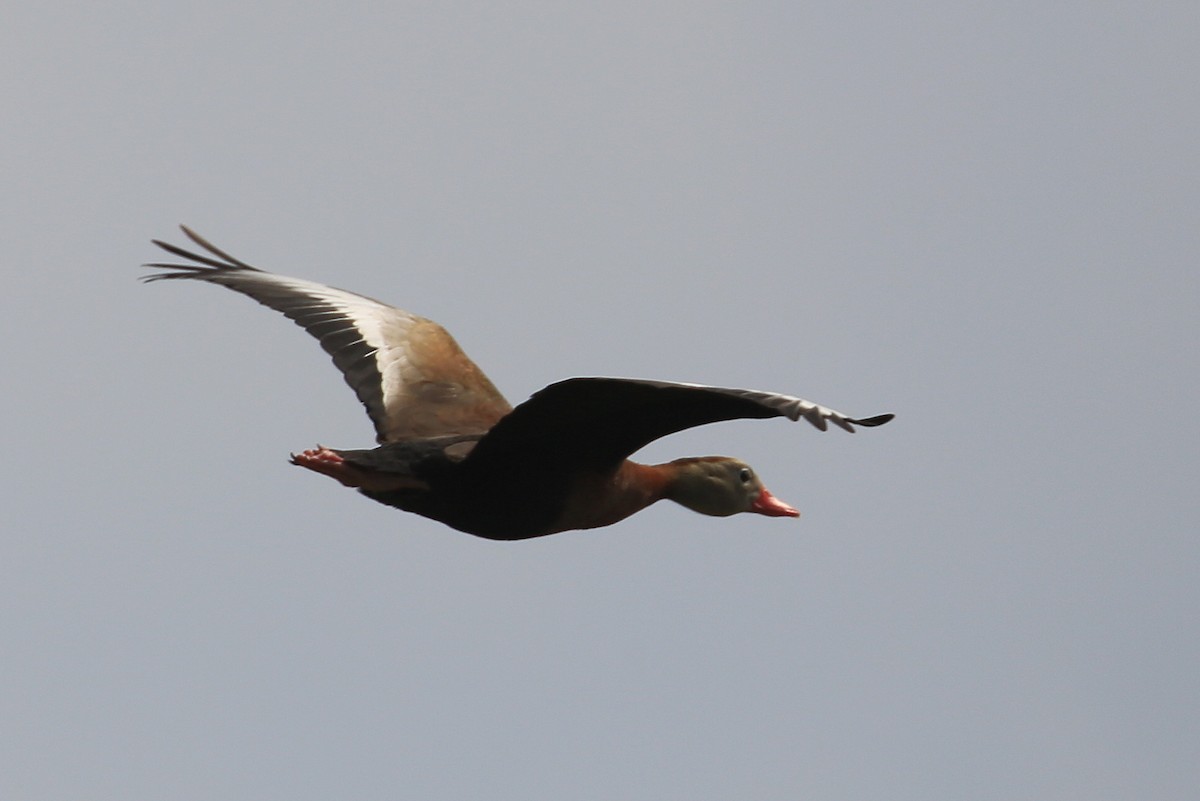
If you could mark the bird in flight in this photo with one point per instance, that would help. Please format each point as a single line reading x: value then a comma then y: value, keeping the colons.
x: 452, y: 449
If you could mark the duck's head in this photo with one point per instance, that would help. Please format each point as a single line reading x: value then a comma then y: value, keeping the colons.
x: 721, y: 486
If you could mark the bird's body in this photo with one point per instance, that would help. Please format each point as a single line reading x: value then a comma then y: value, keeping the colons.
x: 426, y: 477
x: 452, y: 449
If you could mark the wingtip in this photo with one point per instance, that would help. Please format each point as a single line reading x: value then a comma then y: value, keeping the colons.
x: 164, y: 245
x: 877, y: 420
x: 223, y: 262
x: 192, y: 235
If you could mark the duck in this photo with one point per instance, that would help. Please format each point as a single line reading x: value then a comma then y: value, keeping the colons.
x: 450, y: 448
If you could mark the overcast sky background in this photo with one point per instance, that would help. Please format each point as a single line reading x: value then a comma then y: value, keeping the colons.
x: 982, y: 217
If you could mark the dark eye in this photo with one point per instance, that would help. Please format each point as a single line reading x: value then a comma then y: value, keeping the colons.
x: 745, y: 475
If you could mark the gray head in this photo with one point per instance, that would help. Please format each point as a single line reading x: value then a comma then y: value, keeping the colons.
x: 721, y: 486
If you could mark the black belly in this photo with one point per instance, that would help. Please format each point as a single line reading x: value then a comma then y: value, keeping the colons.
x: 502, y: 502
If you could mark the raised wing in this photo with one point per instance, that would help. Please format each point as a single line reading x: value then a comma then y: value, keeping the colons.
x: 600, y: 421
x: 410, y: 374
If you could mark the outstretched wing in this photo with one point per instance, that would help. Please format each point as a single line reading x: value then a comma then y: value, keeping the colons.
x: 410, y: 374
x: 600, y: 421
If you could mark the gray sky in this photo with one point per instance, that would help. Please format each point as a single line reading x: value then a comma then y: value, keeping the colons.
x: 981, y: 217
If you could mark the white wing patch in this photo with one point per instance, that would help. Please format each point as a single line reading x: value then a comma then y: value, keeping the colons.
x: 409, y: 373
x: 406, y: 370
x: 383, y: 329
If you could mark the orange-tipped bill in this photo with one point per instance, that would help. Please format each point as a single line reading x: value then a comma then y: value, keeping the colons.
x: 767, y: 504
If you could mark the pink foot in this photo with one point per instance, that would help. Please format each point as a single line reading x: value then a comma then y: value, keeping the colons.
x: 329, y: 462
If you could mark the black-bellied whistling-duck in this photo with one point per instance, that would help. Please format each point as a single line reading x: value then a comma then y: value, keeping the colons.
x: 452, y: 449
